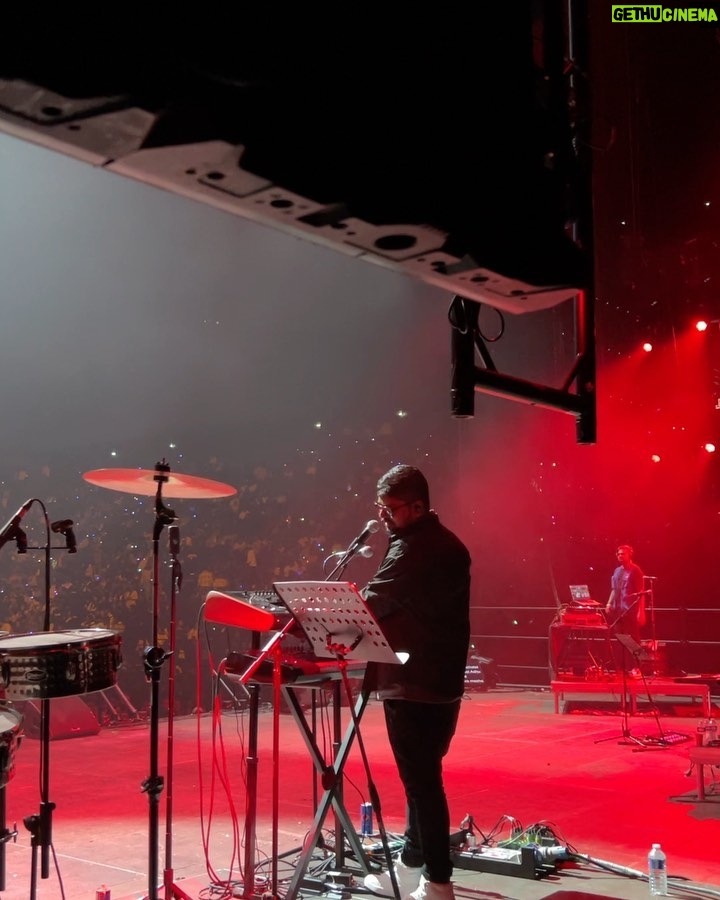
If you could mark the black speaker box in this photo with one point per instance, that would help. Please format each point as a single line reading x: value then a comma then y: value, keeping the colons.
x: 69, y: 717
x: 480, y: 673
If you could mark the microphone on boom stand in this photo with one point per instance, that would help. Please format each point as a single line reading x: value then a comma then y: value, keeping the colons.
x: 11, y: 530
x: 357, y: 547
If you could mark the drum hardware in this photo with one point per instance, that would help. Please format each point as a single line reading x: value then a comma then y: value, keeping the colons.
x: 49, y: 665
x: 10, y: 740
x: 121, y: 711
x: 148, y: 483
x: 40, y: 826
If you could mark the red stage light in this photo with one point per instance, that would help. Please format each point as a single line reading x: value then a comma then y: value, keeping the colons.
x: 701, y: 325
x: 709, y: 447
x: 647, y: 346
x: 655, y: 458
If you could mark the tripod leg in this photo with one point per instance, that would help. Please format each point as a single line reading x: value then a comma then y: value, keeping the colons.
x: 372, y: 789
x: 329, y: 800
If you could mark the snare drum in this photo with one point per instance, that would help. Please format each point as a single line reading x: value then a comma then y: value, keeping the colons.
x: 52, y: 664
x: 10, y: 738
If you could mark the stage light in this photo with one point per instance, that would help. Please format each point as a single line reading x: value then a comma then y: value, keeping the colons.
x: 647, y: 347
x: 655, y: 458
x: 701, y: 325
x: 709, y: 447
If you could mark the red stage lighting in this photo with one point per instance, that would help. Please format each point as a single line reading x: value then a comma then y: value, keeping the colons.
x: 709, y: 447
x: 655, y: 458
x: 647, y: 346
x: 701, y: 325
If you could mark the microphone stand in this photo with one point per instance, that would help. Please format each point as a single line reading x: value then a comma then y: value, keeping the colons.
x: 625, y: 612
x: 40, y: 826
x: 651, y: 595
x: 627, y: 736
x: 344, y: 561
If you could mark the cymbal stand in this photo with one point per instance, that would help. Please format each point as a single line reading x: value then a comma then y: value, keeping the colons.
x: 40, y: 826
x: 154, y: 658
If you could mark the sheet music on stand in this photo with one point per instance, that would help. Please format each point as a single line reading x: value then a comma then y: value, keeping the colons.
x: 337, y: 621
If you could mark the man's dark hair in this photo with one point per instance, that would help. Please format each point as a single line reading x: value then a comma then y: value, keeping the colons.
x: 404, y: 483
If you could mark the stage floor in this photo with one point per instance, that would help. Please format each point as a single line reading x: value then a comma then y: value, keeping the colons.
x: 513, y: 760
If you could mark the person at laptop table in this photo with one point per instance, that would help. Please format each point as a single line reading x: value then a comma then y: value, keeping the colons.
x: 625, y: 609
x: 420, y: 596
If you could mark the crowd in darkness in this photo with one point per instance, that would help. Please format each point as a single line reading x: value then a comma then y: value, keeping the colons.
x: 285, y: 519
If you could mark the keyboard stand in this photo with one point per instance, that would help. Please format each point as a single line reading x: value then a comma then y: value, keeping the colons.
x: 340, y: 626
x: 331, y: 778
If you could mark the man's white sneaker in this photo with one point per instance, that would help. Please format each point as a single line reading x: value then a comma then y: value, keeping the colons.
x: 432, y: 890
x: 408, y: 878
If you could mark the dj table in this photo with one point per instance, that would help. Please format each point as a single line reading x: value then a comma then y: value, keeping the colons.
x: 575, y: 649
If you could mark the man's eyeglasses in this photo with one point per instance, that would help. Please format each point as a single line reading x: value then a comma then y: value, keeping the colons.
x: 390, y: 510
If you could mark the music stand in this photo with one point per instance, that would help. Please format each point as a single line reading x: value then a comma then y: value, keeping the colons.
x: 331, y: 612
x: 340, y: 626
x: 640, y: 654
x: 627, y: 738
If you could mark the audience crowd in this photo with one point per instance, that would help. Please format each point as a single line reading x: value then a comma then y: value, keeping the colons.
x: 282, y: 524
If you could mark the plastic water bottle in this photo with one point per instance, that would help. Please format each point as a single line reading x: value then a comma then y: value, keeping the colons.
x: 700, y: 738
x: 657, y: 871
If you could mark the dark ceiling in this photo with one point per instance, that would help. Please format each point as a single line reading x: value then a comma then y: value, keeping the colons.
x: 441, y: 145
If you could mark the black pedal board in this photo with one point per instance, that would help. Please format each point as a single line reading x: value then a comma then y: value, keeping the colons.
x: 526, y: 867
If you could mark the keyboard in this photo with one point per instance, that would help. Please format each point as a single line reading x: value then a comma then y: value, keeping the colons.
x: 295, y: 668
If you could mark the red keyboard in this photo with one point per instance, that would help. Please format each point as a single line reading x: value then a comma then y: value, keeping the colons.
x: 294, y: 668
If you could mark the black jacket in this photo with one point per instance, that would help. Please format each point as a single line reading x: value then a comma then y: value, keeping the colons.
x: 420, y: 596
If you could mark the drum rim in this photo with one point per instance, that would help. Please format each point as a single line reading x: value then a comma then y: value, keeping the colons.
x: 84, y: 636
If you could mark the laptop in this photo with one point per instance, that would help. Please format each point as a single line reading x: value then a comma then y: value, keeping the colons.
x: 580, y: 594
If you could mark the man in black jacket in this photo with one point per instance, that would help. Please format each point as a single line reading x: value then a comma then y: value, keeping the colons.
x: 421, y: 598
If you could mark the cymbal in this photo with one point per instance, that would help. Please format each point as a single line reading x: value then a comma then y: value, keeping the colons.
x: 142, y: 481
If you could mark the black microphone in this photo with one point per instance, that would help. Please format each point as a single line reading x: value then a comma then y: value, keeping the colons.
x: 64, y: 526
x: 61, y: 526
x: 11, y: 528
x: 362, y: 550
x: 370, y: 528
x: 174, y: 539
